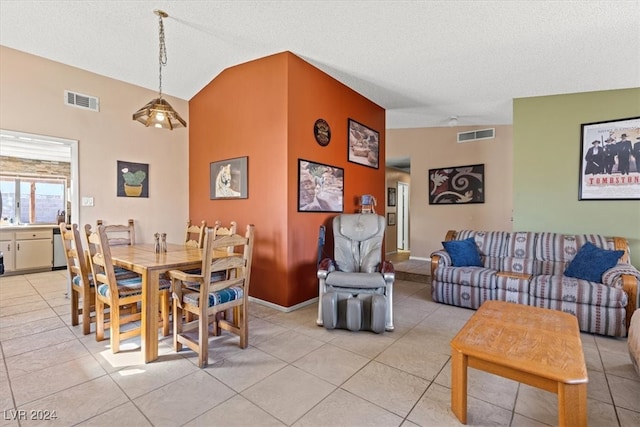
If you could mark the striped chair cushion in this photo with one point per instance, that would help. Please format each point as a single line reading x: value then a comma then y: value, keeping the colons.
x: 77, y: 280
x: 126, y: 288
x: 215, y: 298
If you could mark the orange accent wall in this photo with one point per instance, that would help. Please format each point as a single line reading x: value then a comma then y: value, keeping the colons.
x: 265, y: 110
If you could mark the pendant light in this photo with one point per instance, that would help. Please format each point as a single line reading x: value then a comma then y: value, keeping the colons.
x: 158, y: 112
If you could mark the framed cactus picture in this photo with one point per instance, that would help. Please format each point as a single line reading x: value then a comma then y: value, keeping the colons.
x: 133, y: 179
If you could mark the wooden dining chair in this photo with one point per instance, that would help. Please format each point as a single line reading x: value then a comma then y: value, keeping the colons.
x: 199, y: 295
x: 118, y: 294
x: 82, y: 286
x: 120, y: 234
x: 195, y: 234
x: 92, y: 249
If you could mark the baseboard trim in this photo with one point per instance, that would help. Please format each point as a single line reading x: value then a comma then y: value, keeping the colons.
x: 282, y: 308
x: 420, y: 258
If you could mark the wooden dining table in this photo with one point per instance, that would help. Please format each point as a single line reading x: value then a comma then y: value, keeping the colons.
x: 143, y: 259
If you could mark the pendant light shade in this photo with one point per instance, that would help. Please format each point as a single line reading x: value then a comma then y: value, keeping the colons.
x: 158, y: 112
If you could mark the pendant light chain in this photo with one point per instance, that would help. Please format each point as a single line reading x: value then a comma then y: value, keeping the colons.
x: 158, y: 112
x: 162, y: 58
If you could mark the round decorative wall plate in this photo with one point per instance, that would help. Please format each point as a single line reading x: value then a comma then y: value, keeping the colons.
x: 322, y: 132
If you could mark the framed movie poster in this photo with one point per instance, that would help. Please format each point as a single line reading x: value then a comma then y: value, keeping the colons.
x: 610, y: 160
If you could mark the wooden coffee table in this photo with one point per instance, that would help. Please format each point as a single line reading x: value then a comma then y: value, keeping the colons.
x: 535, y: 346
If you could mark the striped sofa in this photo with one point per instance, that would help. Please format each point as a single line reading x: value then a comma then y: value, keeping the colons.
x: 527, y: 268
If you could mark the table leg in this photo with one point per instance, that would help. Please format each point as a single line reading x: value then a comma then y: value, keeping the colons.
x: 459, y: 363
x: 149, y: 332
x: 572, y: 404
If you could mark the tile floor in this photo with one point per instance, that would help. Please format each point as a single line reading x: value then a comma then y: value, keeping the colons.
x: 293, y: 373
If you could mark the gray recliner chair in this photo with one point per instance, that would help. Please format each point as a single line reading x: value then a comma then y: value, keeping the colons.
x: 356, y: 287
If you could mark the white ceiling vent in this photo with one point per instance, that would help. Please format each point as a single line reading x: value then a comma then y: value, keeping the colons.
x: 81, y: 101
x: 476, y: 135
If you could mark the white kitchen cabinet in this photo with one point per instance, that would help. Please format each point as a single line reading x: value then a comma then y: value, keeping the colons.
x: 8, y: 249
x: 28, y: 249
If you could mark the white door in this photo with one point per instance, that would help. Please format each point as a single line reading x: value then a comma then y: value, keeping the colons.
x: 403, y: 216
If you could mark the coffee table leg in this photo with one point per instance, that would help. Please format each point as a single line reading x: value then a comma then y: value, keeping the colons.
x: 572, y: 404
x: 459, y: 385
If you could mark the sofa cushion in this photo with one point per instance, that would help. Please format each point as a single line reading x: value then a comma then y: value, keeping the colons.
x: 596, y: 319
x: 591, y: 262
x: 463, y: 253
x: 489, y: 243
x: 477, y: 277
x: 569, y: 289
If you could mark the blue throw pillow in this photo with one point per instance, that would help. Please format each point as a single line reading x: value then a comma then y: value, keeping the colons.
x: 463, y: 253
x: 591, y: 262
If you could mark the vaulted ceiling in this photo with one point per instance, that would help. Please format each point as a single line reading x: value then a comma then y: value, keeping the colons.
x: 423, y: 61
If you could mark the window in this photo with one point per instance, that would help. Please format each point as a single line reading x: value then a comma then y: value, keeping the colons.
x: 32, y: 199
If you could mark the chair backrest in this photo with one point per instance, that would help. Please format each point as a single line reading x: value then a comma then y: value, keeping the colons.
x: 119, y: 234
x: 357, y: 240
x: 238, y: 260
x: 101, y: 263
x: 219, y: 231
x: 77, y: 265
x: 195, y: 234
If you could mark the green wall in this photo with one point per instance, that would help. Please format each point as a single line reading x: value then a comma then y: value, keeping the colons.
x: 546, y: 153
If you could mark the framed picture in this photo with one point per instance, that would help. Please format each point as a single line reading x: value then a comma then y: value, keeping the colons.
x: 229, y: 179
x: 391, y: 218
x: 610, y: 160
x: 456, y: 185
x: 133, y: 179
x: 320, y: 187
x: 391, y: 196
x: 364, y: 144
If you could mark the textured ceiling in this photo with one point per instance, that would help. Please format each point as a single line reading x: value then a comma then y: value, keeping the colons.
x: 423, y: 61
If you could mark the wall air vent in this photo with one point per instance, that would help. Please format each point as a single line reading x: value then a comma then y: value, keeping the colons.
x: 476, y: 135
x: 81, y: 101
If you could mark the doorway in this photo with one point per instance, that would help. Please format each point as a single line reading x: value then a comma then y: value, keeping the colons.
x: 403, y: 216
x: 24, y: 145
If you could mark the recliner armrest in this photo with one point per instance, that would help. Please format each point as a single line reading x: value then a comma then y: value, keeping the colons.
x: 326, y: 266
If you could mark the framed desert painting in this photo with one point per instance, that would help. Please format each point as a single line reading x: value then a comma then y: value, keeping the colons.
x: 320, y: 187
x: 364, y: 144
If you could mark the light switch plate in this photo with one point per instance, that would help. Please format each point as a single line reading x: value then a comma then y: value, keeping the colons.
x: 87, y: 201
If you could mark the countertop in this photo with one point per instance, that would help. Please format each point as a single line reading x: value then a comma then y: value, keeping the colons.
x: 13, y: 227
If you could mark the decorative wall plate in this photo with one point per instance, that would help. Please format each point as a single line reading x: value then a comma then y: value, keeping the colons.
x: 322, y: 132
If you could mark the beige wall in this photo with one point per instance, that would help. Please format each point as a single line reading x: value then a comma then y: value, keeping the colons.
x: 431, y: 148
x: 31, y: 100
x: 546, y: 134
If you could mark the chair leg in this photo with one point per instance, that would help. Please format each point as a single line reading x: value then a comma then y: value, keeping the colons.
x: 74, y: 308
x: 99, y: 320
x: 240, y: 319
x: 164, y: 308
x: 114, y: 330
x: 203, y: 340
x: 177, y: 325
x: 86, y: 315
